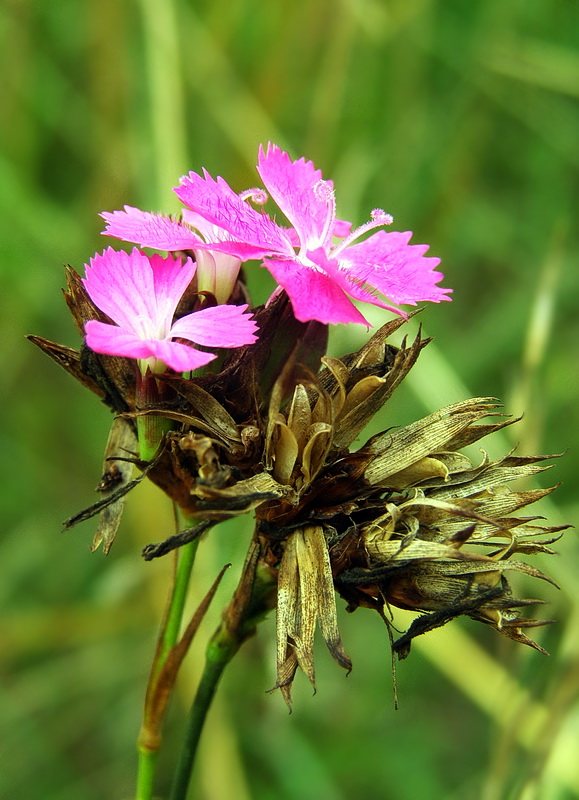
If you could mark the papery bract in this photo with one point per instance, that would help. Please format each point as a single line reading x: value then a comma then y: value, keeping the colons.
x: 140, y: 294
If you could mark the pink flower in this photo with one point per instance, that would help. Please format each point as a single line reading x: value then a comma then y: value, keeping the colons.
x: 140, y: 294
x: 321, y: 277
x: 216, y: 271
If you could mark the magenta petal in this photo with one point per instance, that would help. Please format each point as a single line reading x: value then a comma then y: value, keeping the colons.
x: 218, y: 240
x: 216, y: 201
x: 398, y: 270
x: 138, y: 292
x: 149, y: 230
x: 171, y: 279
x: 122, y: 285
x: 348, y: 283
x: 114, y: 341
x: 294, y: 187
x: 342, y: 228
x: 241, y: 250
x: 180, y: 357
x: 208, y: 230
x: 218, y: 326
x: 313, y: 294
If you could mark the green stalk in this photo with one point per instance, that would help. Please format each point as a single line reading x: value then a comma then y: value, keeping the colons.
x: 146, y: 771
x: 151, y: 429
x: 174, y: 617
x: 253, y: 599
x: 149, y: 737
x: 220, y: 651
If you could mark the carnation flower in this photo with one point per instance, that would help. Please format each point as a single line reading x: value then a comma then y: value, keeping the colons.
x: 403, y: 520
x: 140, y: 294
x: 321, y: 276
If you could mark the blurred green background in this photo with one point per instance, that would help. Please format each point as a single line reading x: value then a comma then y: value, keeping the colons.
x: 460, y: 119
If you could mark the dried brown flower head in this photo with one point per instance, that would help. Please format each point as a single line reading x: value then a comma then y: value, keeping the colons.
x: 404, y: 520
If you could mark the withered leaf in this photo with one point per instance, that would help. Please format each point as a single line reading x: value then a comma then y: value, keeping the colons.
x: 122, y: 442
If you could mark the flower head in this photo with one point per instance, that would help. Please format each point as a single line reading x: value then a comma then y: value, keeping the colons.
x: 320, y: 262
x: 321, y: 277
x: 405, y: 520
x: 140, y: 294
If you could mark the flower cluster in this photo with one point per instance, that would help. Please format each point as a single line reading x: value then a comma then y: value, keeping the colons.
x: 403, y: 520
x: 219, y: 229
x: 317, y: 260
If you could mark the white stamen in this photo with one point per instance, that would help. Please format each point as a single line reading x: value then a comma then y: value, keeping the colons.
x: 378, y: 219
x: 324, y: 192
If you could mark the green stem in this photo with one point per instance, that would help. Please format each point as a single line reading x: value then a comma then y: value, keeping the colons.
x: 146, y: 773
x: 174, y: 617
x: 150, y: 430
x: 252, y: 600
x: 149, y: 740
x: 220, y: 651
